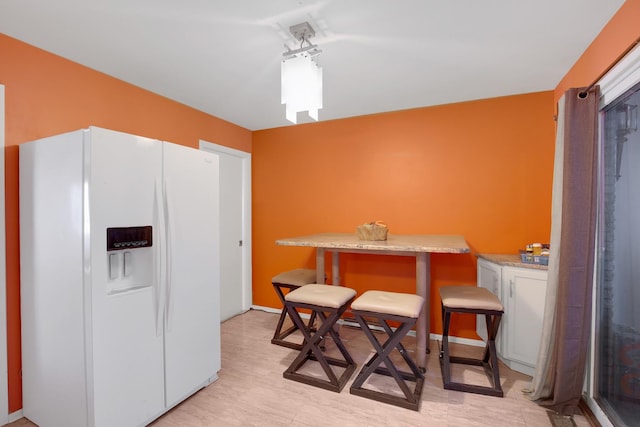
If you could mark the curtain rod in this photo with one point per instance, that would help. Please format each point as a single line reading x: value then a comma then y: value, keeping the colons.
x: 584, y: 93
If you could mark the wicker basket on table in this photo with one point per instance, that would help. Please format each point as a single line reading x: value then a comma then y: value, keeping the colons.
x: 372, y: 231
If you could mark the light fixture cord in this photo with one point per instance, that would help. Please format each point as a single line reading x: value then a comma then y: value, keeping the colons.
x: 302, y: 40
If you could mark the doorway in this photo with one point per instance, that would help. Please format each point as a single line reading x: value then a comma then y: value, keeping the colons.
x: 613, y: 386
x: 235, y: 229
x: 617, y: 346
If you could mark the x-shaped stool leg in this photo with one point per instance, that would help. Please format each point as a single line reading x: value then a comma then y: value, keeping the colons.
x: 383, y: 353
x: 280, y: 335
x: 311, y: 348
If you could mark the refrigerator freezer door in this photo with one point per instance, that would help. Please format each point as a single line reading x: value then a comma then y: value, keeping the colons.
x: 192, y: 320
x: 126, y: 348
x: 51, y: 280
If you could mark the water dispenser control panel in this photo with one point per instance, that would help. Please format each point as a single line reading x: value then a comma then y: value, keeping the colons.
x: 129, y: 259
x: 119, y: 238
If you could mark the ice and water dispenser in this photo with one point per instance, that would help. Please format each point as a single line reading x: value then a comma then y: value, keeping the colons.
x: 130, y: 257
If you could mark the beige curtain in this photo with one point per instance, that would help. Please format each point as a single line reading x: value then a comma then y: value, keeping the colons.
x: 540, y: 384
x: 558, y: 380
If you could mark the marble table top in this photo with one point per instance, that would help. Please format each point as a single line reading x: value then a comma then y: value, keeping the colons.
x: 439, y: 243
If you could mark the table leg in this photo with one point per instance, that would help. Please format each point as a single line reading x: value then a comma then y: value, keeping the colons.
x: 423, y: 288
x: 319, y: 265
x: 335, y: 267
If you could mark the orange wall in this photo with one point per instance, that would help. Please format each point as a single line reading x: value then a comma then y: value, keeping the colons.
x: 46, y: 95
x: 619, y: 33
x: 482, y: 169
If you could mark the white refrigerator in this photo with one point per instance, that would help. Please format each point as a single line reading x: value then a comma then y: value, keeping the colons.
x: 119, y: 253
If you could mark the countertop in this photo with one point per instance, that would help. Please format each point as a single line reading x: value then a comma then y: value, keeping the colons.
x: 512, y: 260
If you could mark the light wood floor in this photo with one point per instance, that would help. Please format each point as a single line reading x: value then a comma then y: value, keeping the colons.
x: 251, y: 391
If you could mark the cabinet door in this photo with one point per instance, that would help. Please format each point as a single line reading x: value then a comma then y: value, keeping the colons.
x: 524, y: 298
x: 490, y: 277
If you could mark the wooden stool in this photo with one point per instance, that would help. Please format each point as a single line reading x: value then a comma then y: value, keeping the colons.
x: 466, y: 299
x: 328, y: 302
x: 384, y: 307
x: 290, y: 280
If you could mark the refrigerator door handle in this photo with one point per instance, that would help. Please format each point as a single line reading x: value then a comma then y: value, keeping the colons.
x: 158, y: 261
x: 169, y: 257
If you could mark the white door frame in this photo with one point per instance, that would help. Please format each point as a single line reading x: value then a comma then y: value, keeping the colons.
x: 246, y: 215
x: 4, y: 391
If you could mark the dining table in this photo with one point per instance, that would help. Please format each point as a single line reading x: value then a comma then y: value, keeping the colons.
x: 420, y: 246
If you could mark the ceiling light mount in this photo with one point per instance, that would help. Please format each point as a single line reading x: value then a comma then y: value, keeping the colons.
x: 302, y: 32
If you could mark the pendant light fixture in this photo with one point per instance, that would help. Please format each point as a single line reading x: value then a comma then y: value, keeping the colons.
x: 301, y: 75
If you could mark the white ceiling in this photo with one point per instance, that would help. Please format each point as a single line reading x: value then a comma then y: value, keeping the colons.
x: 223, y: 56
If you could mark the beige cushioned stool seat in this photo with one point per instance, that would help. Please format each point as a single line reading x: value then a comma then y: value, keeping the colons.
x: 321, y: 295
x: 470, y: 298
x: 406, y: 305
x: 297, y: 277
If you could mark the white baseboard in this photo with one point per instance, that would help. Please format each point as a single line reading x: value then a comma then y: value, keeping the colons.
x: 458, y: 340
x: 267, y: 309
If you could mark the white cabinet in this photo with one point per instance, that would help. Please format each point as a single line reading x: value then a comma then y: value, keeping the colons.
x: 523, y: 297
x: 490, y: 277
x: 522, y: 291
